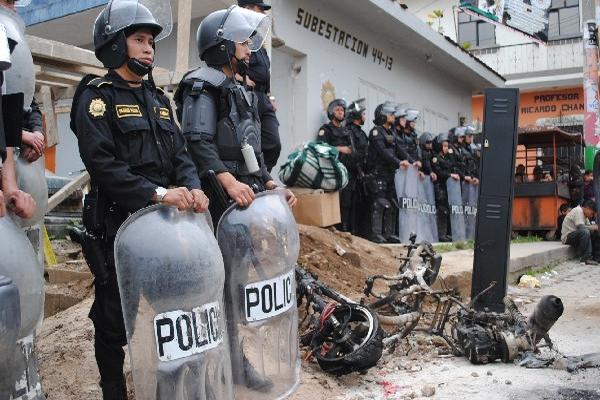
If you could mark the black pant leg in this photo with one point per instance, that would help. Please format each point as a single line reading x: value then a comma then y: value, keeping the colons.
x: 270, y: 140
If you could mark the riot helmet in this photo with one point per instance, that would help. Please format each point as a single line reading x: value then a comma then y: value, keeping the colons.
x: 459, y: 132
x: 221, y: 30
x: 425, y: 138
x: 412, y: 114
x: 400, y: 112
x: 356, y: 109
x: 331, y: 108
x: 439, y: 140
x: 382, y: 111
x: 470, y: 130
x: 122, y: 18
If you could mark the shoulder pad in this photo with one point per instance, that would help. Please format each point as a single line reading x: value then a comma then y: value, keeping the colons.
x: 98, y: 82
x: 209, y: 75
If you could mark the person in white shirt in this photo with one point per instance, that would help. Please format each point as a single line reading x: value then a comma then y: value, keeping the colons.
x: 577, y: 231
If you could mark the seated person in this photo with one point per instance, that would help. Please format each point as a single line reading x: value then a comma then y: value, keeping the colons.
x: 577, y: 231
x: 563, y: 210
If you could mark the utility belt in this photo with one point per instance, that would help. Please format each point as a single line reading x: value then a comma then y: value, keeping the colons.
x: 375, y: 184
x: 101, y: 219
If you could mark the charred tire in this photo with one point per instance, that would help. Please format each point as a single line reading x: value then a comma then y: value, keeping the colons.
x: 367, y: 352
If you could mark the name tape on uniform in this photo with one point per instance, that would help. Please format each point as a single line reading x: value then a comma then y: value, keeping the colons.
x: 269, y: 298
x: 181, y: 334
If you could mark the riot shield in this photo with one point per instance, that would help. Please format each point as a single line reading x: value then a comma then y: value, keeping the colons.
x: 407, y: 192
x: 18, y: 262
x: 427, y: 221
x: 20, y: 77
x: 457, y: 217
x: 260, y: 246
x: 171, y: 277
x: 10, y: 322
x: 470, y: 193
x: 31, y: 178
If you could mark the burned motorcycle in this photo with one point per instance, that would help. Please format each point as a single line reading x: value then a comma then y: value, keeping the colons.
x: 485, y: 337
x: 402, y: 305
x: 342, y: 335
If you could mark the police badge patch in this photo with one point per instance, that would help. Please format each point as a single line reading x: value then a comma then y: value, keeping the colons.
x: 374, y: 132
x: 97, y: 108
x: 322, y: 132
x: 434, y: 160
x: 450, y: 151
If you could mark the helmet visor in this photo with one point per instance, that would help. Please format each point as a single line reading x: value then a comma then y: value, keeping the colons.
x: 245, y: 26
x: 460, y: 131
x: 22, y: 3
x: 122, y: 14
x: 357, y: 105
x: 388, y: 108
x: 412, y: 114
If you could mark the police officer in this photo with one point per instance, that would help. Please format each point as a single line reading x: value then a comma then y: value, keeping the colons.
x: 218, y: 116
x: 335, y: 134
x: 359, y: 144
x: 221, y: 124
x: 34, y: 141
x: 427, y: 154
x: 457, y: 151
x: 383, y: 163
x: 258, y: 79
x: 444, y: 168
x: 407, y: 141
x: 471, y: 159
x: 133, y: 152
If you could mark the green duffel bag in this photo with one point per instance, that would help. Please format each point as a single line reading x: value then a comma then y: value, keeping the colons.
x: 315, y: 166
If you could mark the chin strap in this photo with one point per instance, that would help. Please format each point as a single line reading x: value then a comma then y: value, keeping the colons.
x: 138, y: 67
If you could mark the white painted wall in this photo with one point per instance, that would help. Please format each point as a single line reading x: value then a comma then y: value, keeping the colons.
x: 412, y: 81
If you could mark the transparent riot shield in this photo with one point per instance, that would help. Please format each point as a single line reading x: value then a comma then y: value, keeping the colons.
x: 31, y: 178
x: 10, y: 323
x: 171, y: 276
x: 455, y: 203
x: 407, y: 192
x: 470, y: 193
x: 427, y: 222
x: 18, y: 262
x: 20, y: 77
x: 260, y: 246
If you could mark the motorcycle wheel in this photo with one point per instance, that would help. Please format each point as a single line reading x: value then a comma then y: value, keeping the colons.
x: 357, y: 348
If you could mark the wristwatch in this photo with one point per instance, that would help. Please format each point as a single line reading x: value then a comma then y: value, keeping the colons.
x: 161, y: 192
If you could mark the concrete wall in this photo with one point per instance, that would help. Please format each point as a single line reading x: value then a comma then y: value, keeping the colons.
x: 308, y: 62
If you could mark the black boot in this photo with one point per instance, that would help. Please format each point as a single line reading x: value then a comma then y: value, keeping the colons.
x: 375, y: 231
x: 114, y: 390
x: 390, y: 220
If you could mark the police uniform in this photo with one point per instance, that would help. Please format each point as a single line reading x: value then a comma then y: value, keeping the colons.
x: 407, y: 144
x: 32, y: 119
x: 443, y: 166
x: 130, y: 146
x: 357, y: 169
x: 471, y: 162
x: 217, y: 117
x: 382, y: 165
x: 260, y: 73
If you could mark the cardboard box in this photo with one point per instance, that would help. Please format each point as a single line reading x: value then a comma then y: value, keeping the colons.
x: 316, y: 207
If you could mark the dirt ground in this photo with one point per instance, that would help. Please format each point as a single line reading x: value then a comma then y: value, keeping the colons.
x: 421, y: 363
